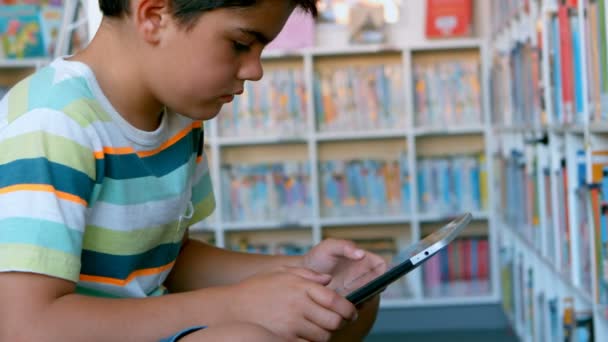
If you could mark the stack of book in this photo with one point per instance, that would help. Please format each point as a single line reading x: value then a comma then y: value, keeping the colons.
x: 359, y: 98
x: 365, y: 187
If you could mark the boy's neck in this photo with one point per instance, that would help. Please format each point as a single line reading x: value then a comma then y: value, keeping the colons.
x: 114, y: 63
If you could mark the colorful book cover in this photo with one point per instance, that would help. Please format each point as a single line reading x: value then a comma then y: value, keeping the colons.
x: 556, y: 73
x: 20, y: 32
x: 567, y: 64
x: 50, y: 20
x: 448, y: 18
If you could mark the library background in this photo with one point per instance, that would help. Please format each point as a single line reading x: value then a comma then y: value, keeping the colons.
x: 380, y: 121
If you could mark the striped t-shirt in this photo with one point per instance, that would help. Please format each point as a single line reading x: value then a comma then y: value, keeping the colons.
x: 85, y: 196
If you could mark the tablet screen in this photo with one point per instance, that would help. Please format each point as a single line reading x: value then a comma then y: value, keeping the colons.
x: 404, y: 262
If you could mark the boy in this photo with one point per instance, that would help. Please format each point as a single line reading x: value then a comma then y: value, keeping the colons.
x: 99, y: 179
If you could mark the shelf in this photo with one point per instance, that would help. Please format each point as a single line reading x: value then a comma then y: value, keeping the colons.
x: 515, y: 129
x: 442, y: 44
x: 451, y: 301
x: 581, y: 294
x: 360, y: 135
x: 202, y: 228
x: 364, y: 220
x: 573, y: 129
x: 355, y: 50
x: 458, y: 289
x: 568, y: 128
x: 431, y: 218
x: 24, y: 63
x: 598, y: 127
x: 462, y: 130
x: 267, y: 140
x: 282, y: 54
x: 448, y: 44
x: 267, y: 225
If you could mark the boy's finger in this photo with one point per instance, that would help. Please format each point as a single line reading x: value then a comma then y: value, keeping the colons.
x: 321, y: 278
x: 344, y: 248
x: 331, y: 300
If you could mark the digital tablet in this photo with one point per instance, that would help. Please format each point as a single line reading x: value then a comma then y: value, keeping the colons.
x: 413, y: 256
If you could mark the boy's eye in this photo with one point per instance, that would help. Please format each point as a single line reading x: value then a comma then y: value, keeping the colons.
x: 239, y: 47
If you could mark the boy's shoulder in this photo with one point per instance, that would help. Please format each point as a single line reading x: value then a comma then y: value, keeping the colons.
x: 62, y: 88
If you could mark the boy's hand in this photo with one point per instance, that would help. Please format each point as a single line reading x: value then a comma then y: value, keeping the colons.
x: 349, y: 266
x: 292, y: 302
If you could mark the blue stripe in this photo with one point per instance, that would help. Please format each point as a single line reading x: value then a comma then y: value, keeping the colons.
x: 42, y: 171
x: 120, y: 266
x: 202, y: 189
x: 41, y: 233
x: 145, y: 189
x: 60, y: 95
x: 127, y: 166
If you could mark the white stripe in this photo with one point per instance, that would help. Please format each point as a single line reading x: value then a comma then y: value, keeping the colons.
x: 51, y: 121
x: 44, y: 206
x: 111, y: 135
x: 137, y: 288
x: 126, y: 218
x: 62, y: 74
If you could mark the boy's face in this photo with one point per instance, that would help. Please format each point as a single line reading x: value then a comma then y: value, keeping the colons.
x: 194, y: 72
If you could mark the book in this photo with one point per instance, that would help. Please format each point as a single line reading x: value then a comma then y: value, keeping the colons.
x: 366, y: 23
x: 21, y: 32
x: 448, y: 18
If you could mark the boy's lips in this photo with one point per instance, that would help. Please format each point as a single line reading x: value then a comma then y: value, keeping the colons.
x: 230, y: 97
x: 227, y: 98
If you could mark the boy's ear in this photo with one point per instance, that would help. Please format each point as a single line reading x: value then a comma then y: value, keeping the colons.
x: 150, y: 17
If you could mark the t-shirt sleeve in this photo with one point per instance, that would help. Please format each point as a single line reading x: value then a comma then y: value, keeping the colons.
x: 47, y: 176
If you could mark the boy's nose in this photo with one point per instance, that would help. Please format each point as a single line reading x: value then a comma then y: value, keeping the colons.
x: 252, y: 70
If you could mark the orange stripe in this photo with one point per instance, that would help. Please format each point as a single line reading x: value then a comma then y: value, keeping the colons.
x: 46, y: 188
x: 169, y: 142
x: 118, y: 150
x: 199, y: 159
x: 133, y: 275
x: 143, y: 154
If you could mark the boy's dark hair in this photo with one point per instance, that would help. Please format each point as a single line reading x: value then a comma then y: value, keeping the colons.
x: 187, y: 11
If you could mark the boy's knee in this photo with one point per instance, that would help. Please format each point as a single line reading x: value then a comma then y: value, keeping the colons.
x: 237, y: 332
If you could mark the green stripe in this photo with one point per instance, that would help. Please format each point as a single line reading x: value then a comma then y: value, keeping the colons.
x: 18, y: 100
x: 27, y: 258
x: 55, y: 148
x: 86, y: 111
x: 102, y: 240
x: 203, y: 209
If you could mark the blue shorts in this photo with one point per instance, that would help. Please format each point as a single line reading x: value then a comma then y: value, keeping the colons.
x: 182, y: 333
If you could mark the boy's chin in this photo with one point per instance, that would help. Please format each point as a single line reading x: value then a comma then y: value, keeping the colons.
x: 204, y: 114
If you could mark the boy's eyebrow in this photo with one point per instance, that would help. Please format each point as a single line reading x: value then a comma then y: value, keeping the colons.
x: 259, y: 36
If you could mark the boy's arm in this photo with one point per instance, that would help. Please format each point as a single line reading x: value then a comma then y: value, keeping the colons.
x: 200, y: 265
x: 41, y: 308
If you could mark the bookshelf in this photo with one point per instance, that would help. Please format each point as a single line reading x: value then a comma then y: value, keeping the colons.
x: 331, y: 146
x: 548, y: 155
